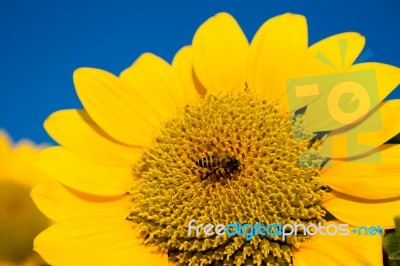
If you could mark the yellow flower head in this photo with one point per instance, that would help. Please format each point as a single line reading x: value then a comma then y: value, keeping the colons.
x: 216, y: 137
x: 20, y: 220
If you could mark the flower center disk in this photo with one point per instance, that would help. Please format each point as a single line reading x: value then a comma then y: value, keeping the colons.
x: 271, y: 186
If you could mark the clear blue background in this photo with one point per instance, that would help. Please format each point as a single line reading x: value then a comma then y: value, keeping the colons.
x: 42, y: 42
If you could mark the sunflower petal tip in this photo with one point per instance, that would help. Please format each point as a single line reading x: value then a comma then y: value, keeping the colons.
x: 34, y: 194
x: 223, y: 15
x: 80, y: 71
x: 297, y: 18
x: 84, y: 73
x: 49, y: 119
x: 146, y: 55
x: 290, y: 14
x: 37, y: 242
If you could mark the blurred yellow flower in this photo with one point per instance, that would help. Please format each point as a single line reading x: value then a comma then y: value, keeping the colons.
x: 129, y: 165
x: 20, y: 220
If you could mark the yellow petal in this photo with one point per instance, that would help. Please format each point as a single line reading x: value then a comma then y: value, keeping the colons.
x: 378, y: 179
x: 76, y: 131
x: 276, y: 54
x: 362, y: 212
x: 83, y: 175
x: 325, y: 61
x: 333, y: 54
x: 375, y: 129
x: 16, y: 159
x: 370, y: 83
x: 387, y: 77
x: 152, y: 78
x: 5, y: 144
x: 115, y: 106
x: 220, y: 54
x: 336, y: 250
x: 138, y: 256
x: 83, y: 240
x: 60, y: 203
x: 182, y: 65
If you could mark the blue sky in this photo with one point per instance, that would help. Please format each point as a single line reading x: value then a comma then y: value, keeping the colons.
x: 42, y: 42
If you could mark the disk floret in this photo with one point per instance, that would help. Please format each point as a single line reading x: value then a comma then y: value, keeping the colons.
x: 271, y: 187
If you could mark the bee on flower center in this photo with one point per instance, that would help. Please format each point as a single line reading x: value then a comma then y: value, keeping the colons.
x: 219, y: 166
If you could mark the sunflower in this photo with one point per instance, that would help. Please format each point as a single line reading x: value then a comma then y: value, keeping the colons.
x: 136, y: 165
x: 20, y: 220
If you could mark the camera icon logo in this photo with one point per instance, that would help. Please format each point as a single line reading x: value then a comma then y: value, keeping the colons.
x: 337, y: 102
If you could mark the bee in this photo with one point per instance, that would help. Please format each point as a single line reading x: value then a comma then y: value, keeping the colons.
x: 219, y: 166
